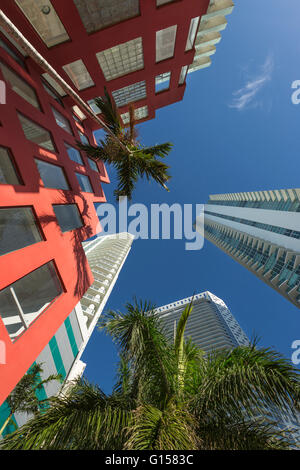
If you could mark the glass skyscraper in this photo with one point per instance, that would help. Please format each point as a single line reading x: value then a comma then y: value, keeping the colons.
x: 211, y: 326
x: 260, y: 230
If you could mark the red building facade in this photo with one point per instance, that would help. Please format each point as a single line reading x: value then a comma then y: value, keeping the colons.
x: 139, y: 50
x: 140, y: 27
x: 30, y: 202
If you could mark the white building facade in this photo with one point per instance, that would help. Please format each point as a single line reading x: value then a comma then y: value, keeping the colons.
x: 260, y: 230
x: 106, y: 256
x: 211, y: 325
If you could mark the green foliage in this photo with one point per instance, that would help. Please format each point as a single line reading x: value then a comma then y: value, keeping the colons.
x: 24, y: 396
x: 132, y: 160
x: 169, y: 395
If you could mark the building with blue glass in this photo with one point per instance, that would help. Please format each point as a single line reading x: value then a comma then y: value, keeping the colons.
x: 260, y: 230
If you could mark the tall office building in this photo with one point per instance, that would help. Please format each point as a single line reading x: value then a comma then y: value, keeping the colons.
x: 211, y: 326
x: 62, y: 355
x: 141, y: 50
x: 260, y: 230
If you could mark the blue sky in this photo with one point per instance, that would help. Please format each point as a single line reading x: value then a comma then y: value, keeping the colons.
x: 235, y: 130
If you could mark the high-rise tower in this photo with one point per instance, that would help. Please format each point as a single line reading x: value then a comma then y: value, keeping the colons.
x: 211, y: 326
x: 260, y: 230
x: 106, y: 256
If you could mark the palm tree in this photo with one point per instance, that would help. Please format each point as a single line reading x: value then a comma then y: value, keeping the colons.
x: 131, y: 159
x: 24, y: 398
x: 170, y: 396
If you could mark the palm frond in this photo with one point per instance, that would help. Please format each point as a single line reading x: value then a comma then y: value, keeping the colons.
x: 226, y: 399
x: 107, y: 150
x: 160, y: 150
x: 151, y: 168
x: 109, y: 112
x: 140, y: 337
x: 124, y: 376
x: 224, y: 433
x: 84, y: 418
x: 250, y: 378
x: 179, y: 343
x: 127, y: 177
x: 170, y: 429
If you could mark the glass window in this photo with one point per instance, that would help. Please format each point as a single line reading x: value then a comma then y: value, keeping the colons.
x: 79, y: 115
x: 162, y: 81
x: 121, y: 59
x: 130, y: 93
x: 19, y: 85
x: 12, y: 53
x: 24, y: 300
x: 74, y: 154
x: 93, y: 106
x: 98, y: 14
x: 8, y: 173
x: 36, y: 134
x: 54, y: 84
x: 162, y: 2
x: 18, y: 228
x: 165, y: 43
x: 183, y: 74
x: 44, y: 19
x: 52, y: 93
x: 192, y: 33
x: 139, y: 113
x: 79, y: 74
x: 61, y: 121
x: 84, y: 183
x: 68, y: 216
x: 83, y: 138
x: 52, y: 175
x: 93, y: 164
x: 76, y: 118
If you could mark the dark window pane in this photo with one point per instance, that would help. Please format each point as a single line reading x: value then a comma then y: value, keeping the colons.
x: 18, y: 229
x: 10, y: 313
x: 93, y: 164
x: 19, y: 85
x: 8, y: 174
x: 74, y: 154
x: 83, y: 138
x: 84, y: 183
x: 61, y: 121
x: 67, y: 216
x: 52, y: 175
x: 12, y: 53
x: 36, y: 134
x: 52, y: 93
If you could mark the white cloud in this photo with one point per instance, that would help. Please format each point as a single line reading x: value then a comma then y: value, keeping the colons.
x: 245, y: 96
